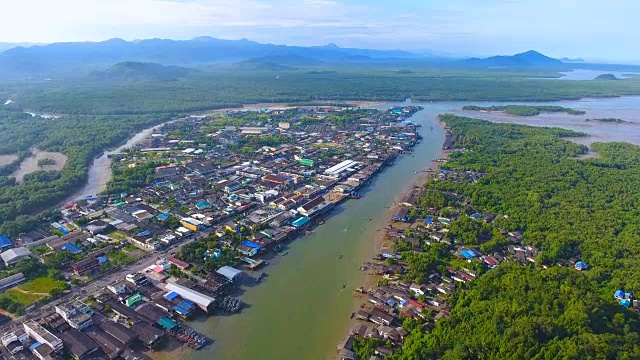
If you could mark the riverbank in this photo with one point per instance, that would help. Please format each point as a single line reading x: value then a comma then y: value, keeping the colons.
x: 380, y: 240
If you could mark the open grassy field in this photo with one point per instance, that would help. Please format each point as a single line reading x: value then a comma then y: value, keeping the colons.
x: 42, y: 285
x: 23, y: 298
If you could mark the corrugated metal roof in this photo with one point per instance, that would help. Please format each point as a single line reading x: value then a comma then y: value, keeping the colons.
x: 199, y: 298
x: 171, y: 295
x: 229, y: 272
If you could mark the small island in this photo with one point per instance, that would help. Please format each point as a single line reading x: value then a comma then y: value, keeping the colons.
x: 606, y: 77
x: 524, y: 110
x: 609, y: 120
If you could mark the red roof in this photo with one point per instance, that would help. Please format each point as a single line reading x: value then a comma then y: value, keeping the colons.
x: 416, y: 304
x: 177, y: 262
x: 491, y: 261
x: 276, y: 179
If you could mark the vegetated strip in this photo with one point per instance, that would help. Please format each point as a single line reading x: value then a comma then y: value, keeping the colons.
x: 524, y: 110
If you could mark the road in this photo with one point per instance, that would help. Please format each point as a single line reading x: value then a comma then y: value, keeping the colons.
x: 100, y: 283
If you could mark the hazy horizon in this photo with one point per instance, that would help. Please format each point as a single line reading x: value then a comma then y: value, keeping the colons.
x: 562, y: 28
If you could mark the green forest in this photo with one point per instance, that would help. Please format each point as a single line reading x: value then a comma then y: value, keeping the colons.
x: 223, y: 88
x: 568, y: 208
x: 80, y: 138
x: 524, y: 110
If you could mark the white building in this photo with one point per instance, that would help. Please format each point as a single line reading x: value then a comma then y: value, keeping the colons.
x: 340, y: 168
x: 12, y: 256
x: 203, y: 301
x: 42, y: 335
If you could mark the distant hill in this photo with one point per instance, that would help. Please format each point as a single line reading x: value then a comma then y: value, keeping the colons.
x: 6, y: 46
x: 606, y: 77
x: 75, y: 56
x: 131, y: 70
x: 529, y: 58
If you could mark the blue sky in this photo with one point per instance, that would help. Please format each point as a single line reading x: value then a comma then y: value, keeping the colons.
x: 593, y: 29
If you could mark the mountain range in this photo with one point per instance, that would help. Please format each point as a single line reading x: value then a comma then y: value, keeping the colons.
x: 201, y: 50
x: 79, y: 58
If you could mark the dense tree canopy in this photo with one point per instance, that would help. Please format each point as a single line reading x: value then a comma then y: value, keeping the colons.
x: 524, y: 110
x: 230, y: 87
x: 566, y: 206
x: 80, y: 138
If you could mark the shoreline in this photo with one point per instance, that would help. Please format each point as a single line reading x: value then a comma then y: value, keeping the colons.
x: 380, y: 242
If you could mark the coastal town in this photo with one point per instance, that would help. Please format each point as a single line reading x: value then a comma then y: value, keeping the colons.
x: 191, y: 215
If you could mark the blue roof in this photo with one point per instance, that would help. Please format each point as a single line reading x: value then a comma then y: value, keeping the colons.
x: 163, y: 217
x: 391, y: 302
x: 180, y: 310
x: 581, y: 265
x: 625, y: 302
x: 428, y: 220
x: 251, y: 244
x: 171, y: 295
x: 71, y: 247
x: 468, y: 254
x: 144, y: 233
x: 187, y: 304
x: 4, y: 241
x: 619, y: 293
x: 102, y: 259
x: 34, y: 345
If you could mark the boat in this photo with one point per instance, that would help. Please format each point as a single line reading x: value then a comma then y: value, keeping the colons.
x: 231, y: 304
x: 340, y: 257
x: 353, y: 314
x: 285, y: 253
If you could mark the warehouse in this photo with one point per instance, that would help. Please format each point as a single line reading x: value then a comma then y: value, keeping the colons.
x: 340, y: 168
x: 203, y: 301
x: 232, y: 274
x: 12, y: 280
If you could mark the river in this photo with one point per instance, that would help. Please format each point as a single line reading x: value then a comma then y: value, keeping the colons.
x: 100, y: 170
x: 301, y: 311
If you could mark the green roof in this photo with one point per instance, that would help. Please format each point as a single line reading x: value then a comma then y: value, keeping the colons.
x: 167, y: 323
x: 203, y: 205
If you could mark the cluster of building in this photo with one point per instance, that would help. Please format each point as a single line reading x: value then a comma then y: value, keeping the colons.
x: 73, y: 330
x: 302, y: 163
x: 140, y: 311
